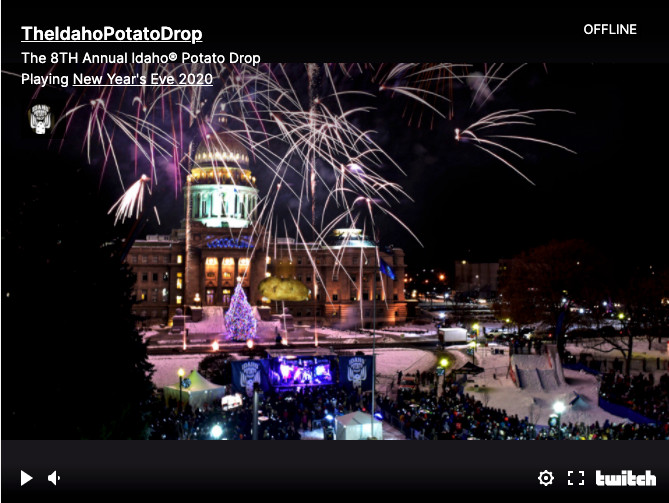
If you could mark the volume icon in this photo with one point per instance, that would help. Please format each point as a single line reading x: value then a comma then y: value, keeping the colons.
x: 53, y: 478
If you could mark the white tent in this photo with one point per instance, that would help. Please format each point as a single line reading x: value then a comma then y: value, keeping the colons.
x: 357, y: 426
x: 199, y: 392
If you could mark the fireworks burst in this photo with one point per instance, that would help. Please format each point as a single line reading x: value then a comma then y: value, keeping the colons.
x: 491, y: 143
x: 131, y: 201
x: 312, y: 153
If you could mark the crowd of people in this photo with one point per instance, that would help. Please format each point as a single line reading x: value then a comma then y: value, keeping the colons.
x: 282, y: 415
x: 457, y: 416
x: 639, y: 393
x: 450, y: 415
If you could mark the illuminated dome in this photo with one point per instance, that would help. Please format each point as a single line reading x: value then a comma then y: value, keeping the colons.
x: 221, y: 149
x: 221, y: 189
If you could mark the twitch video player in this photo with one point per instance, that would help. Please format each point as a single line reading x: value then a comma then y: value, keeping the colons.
x: 231, y: 234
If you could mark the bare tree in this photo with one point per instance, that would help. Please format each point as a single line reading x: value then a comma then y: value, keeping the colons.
x: 545, y: 283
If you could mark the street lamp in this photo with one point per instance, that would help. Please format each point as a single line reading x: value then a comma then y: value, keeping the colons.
x: 181, y: 374
x: 476, y: 327
x: 558, y: 408
x: 216, y: 432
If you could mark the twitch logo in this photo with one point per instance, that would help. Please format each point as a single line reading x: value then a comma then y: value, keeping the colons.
x: 625, y: 479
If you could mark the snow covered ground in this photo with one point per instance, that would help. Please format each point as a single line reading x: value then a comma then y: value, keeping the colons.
x: 166, y: 367
x: 495, y: 389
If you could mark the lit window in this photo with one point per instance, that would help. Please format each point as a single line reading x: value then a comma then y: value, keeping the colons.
x: 227, y: 275
x: 180, y: 259
x: 269, y: 260
x: 178, y: 299
x: 211, y: 261
x: 166, y: 295
x: 228, y: 261
x: 166, y: 276
x: 180, y: 283
x: 244, y: 262
x: 142, y: 295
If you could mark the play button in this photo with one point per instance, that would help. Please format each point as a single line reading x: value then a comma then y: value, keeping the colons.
x: 25, y: 478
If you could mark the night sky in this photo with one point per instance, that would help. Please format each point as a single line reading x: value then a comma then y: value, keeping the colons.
x: 466, y: 204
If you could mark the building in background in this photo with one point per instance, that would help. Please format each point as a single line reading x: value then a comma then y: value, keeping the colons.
x: 477, y: 279
x: 221, y: 244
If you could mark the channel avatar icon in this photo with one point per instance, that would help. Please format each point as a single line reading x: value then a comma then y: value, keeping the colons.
x: 40, y: 118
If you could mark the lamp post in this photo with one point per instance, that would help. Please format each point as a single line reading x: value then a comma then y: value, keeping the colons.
x: 256, y: 390
x: 181, y: 374
x: 373, y: 407
x: 441, y: 375
x: 476, y: 338
x: 558, y: 408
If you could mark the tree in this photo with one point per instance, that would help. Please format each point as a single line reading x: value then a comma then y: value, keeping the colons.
x: 78, y: 367
x: 545, y: 283
x: 642, y: 313
x: 240, y: 321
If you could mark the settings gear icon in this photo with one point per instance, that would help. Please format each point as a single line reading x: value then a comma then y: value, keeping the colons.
x: 546, y: 478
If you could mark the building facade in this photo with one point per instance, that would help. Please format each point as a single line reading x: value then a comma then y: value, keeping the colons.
x: 221, y: 244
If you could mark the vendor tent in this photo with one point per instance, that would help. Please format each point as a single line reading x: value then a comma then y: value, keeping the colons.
x: 357, y: 426
x: 197, y: 393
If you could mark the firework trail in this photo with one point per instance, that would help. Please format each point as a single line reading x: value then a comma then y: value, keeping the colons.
x: 302, y: 147
x: 131, y: 201
x: 479, y: 134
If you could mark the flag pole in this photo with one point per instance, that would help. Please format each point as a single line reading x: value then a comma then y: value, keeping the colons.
x: 373, y: 407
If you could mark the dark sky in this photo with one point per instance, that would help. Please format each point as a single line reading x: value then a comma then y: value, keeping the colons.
x: 468, y: 205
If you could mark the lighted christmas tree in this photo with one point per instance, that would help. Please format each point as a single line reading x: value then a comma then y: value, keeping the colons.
x: 239, y: 320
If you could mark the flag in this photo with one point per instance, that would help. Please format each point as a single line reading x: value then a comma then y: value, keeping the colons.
x: 386, y: 269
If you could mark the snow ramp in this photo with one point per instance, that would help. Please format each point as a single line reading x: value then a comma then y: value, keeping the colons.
x: 539, y: 372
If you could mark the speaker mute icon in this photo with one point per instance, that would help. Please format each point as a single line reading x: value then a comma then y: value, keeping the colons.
x: 53, y: 478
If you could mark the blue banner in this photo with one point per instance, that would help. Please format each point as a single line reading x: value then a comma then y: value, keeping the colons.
x: 385, y: 268
x: 356, y: 372
x: 247, y: 372
x: 622, y: 411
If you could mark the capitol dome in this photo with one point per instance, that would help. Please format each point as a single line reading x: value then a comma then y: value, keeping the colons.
x: 221, y: 149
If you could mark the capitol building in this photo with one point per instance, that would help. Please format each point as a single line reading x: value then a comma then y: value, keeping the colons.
x: 221, y: 243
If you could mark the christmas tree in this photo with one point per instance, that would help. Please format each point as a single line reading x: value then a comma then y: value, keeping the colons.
x: 239, y: 320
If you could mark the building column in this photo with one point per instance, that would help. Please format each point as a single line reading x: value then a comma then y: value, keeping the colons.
x: 191, y: 277
x: 218, y: 299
